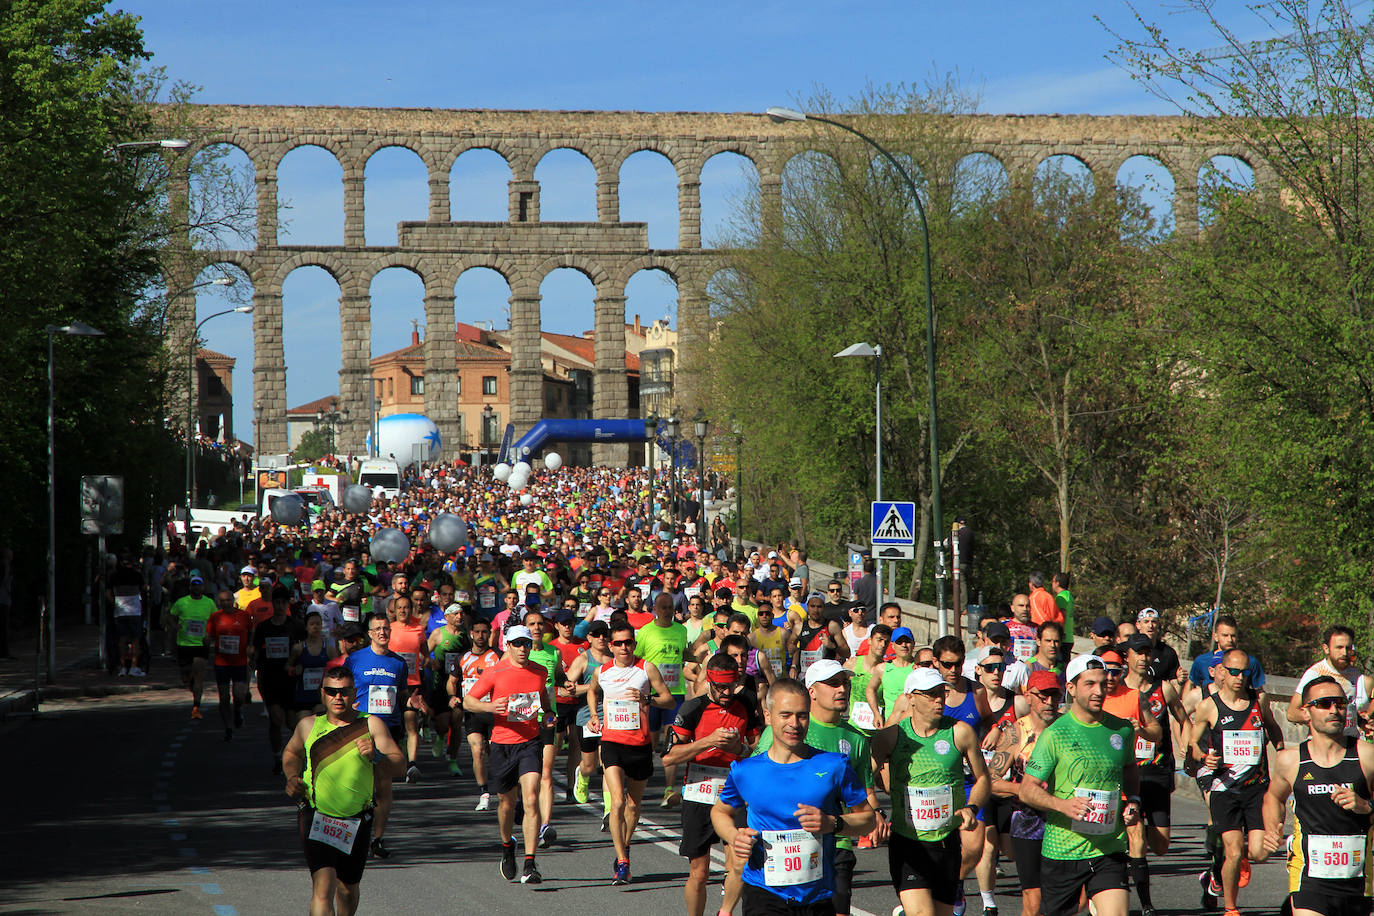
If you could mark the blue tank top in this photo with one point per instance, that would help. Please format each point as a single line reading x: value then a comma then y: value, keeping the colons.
x: 967, y: 710
x: 312, y: 668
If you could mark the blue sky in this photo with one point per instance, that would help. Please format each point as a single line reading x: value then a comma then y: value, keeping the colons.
x: 1026, y: 58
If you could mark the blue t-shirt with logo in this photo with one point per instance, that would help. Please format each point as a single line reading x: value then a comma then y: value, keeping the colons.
x: 378, y: 682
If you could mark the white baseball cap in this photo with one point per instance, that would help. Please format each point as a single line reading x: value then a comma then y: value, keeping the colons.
x: 518, y: 632
x: 1080, y: 663
x: 824, y: 670
x: 921, y: 680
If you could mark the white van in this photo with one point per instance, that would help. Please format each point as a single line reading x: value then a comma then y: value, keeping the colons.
x: 381, y: 472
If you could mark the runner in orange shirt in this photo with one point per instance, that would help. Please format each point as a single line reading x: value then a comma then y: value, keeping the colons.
x: 229, y: 630
x: 408, y: 641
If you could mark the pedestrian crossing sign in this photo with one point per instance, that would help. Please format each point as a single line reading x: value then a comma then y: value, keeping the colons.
x: 894, y: 523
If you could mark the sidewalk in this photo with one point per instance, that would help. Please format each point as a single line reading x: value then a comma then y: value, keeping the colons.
x: 78, y: 671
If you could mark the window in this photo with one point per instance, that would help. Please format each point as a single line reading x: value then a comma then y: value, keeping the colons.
x: 489, y: 384
x: 417, y: 384
x: 457, y: 383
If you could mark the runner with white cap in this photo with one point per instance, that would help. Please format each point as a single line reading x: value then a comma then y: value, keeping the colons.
x: 1077, y: 773
x: 926, y: 753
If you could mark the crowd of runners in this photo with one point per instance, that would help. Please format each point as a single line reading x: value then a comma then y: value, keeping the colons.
x: 579, y: 640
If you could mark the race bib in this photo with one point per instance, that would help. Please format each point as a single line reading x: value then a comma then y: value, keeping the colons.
x: 583, y: 607
x: 311, y: 678
x: 622, y: 715
x: 339, y: 832
x: 929, y: 808
x: 349, y: 613
x: 1023, y: 649
x: 589, y: 732
x: 228, y: 645
x: 809, y: 657
x: 523, y: 707
x: 411, y: 659
x: 1335, y: 856
x: 1242, y: 747
x: 691, y: 591
x: 793, y: 857
x: 1144, y: 750
x: 672, y: 674
x: 128, y: 606
x: 381, y: 700
x: 644, y: 589
x: 486, y: 600
x: 1101, y: 816
x: 277, y: 646
x: 861, y: 716
x: 774, y: 654
x: 703, y: 784
x: 195, y: 629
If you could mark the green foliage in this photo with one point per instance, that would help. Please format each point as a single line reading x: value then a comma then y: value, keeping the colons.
x: 314, y: 444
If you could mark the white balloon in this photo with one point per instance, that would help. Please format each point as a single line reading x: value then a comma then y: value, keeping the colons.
x: 553, y: 461
x: 523, y: 469
x: 518, y: 481
x: 526, y: 499
x: 501, y: 471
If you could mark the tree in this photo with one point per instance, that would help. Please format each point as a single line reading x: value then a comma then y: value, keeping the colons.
x: 314, y: 444
x: 1275, y: 298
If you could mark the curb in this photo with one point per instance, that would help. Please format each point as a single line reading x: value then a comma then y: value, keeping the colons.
x: 26, y: 701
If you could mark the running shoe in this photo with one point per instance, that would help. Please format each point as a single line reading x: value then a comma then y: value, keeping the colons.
x: 1244, y: 870
x: 484, y: 803
x: 136, y: 671
x: 454, y: 769
x: 621, y: 872
x: 1210, y: 890
x: 960, y: 904
x: 1232, y: 913
x: 531, y: 874
x: 438, y: 748
x: 606, y: 822
x: 379, y: 849
x: 580, y: 788
x: 238, y: 717
x: 228, y: 734
x: 989, y: 911
x: 195, y: 713
x: 508, y: 860
x: 413, y: 774
x: 671, y: 799
x: 1147, y: 911
x: 547, y: 836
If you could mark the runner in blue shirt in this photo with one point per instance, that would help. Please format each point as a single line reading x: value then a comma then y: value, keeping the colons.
x: 379, y: 676
x: 796, y: 799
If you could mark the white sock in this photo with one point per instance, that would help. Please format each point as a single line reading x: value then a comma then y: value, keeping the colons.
x: 988, y: 899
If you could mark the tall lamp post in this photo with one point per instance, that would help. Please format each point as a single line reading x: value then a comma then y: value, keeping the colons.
x: 75, y: 329
x: 487, y: 413
x: 674, y: 426
x: 738, y: 430
x: 332, y: 418
x: 376, y: 427
x: 876, y: 352
x: 937, y: 517
x: 191, y: 406
x: 650, y: 447
x: 699, y: 426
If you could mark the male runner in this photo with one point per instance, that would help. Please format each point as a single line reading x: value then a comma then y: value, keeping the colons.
x: 189, y: 616
x: 710, y: 733
x: 796, y: 799
x: 550, y: 659
x: 331, y: 763
x: 925, y: 755
x: 477, y: 726
x: 1230, y: 730
x: 628, y: 686
x: 1077, y: 774
x: 228, y: 630
x: 272, y: 639
x: 514, y: 691
x: 446, y: 647
x: 379, y: 676
x: 663, y: 642
x: 1339, y: 663
x: 1329, y: 776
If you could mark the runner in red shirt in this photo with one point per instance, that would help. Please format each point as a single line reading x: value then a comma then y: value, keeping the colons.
x: 514, y: 692
x: 230, y: 631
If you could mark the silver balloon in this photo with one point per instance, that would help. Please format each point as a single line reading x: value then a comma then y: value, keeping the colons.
x: 526, y: 499
x: 356, y: 499
x: 553, y: 461
x: 448, y: 533
x: 501, y: 471
x: 288, y: 510
x: 390, y: 545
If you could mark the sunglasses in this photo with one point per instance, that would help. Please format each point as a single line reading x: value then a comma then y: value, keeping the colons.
x: 947, y: 665
x: 1049, y: 696
x: 1235, y: 672
x: 990, y: 669
x: 520, y: 643
x: 622, y: 642
x: 925, y: 664
x: 337, y: 691
x: 1112, y: 670
x: 1329, y: 702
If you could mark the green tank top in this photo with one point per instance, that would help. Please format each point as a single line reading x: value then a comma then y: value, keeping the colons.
x: 927, y: 782
x: 894, y: 679
x: 338, y: 779
x: 548, y: 657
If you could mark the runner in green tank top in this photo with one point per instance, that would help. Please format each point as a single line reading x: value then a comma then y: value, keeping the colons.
x: 1076, y: 775
x: 663, y: 642
x: 446, y: 647
x: 830, y: 685
x: 887, y: 679
x: 331, y: 766
x: 926, y: 753
x: 548, y: 656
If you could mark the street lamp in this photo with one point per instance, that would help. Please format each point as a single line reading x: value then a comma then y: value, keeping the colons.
x: 147, y: 144
x: 876, y: 352
x: 332, y: 417
x: 376, y: 427
x: 699, y: 426
x: 75, y: 329
x: 674, y: 425
x: 257, y: 457
x: 191, y: 406
x: 738, y: 429
x: 937, y: 517
x: 487, y: 413
x: 650, y: 447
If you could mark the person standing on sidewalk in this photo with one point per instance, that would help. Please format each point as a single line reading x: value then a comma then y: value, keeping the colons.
x: 126, y: 592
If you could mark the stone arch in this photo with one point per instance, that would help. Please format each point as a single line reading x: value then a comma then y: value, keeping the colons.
x: 410, y: 142
x: 499, y: 201
x: 1221, y: 174
x: 655, y: 196
x: 665, y: 148
x: 218, y: 411
x: 389, y: 196
x: 328, y: 142
x: 978, y: 174
x: 313, y: 183
x: 588, y: 267
x: 311, y: 318
x: 418, y: 264
x: 333, y: 263
x: 1150, y: 177
x: 724, y: 198
x: 1062, y: 167
x: 395, y: 301
x: 584, y: 207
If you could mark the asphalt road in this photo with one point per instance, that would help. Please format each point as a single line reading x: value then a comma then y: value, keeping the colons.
x: 125, y: 805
